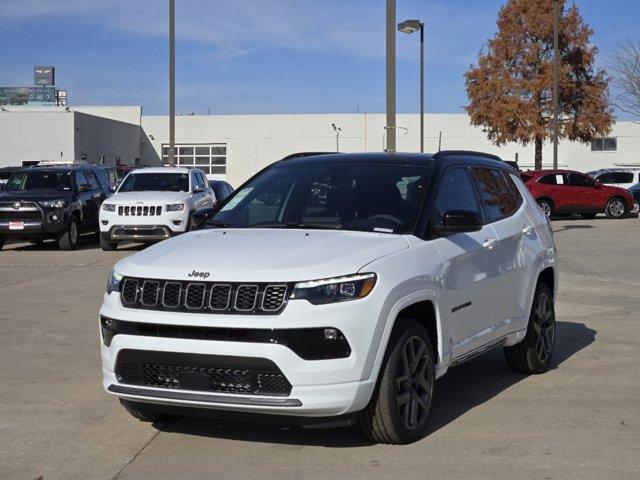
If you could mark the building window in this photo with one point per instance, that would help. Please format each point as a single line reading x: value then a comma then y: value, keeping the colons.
x: 211, y: 158
x: 605, y: 144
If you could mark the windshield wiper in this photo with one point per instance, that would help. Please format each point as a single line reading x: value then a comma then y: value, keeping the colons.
x: 301, y: 225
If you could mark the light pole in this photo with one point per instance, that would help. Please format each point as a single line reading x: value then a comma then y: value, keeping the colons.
x: 390, y: 128
x: 556, y: 13
x: 172, y: 83
x: 337, y: 130
x: 410, y: 26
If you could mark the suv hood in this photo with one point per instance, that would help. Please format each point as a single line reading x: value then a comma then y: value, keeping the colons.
x: 261, y: 255
x: 127, y: 198
x: 34, y: 195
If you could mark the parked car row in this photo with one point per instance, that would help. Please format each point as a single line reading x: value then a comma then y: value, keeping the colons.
x: 63, y: 201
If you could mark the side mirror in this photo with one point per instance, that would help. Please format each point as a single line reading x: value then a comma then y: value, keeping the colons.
x: 198, y: 188
x: 113, y: 188
x: 200, y: 216
x: 457, y: 221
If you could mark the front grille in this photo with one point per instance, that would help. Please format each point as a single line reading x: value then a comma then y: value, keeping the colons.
x: 139, y: 210
x: 20, y: 215
x: 210, y: 373
x: 204, y: 297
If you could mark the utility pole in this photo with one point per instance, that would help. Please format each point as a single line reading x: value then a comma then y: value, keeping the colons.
x: 421, y: 87
x: 172, y: 83
x: 391, y: 76
x: 556, y: 59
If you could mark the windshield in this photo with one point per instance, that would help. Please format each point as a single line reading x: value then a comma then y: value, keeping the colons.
x: 39, y: 180
x: 157, y: 182
x: 380, y: 198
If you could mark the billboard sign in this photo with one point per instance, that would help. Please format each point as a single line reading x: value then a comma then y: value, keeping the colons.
x: 44, y: 76
x: 30, y: 96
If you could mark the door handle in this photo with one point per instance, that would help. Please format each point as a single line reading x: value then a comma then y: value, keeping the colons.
x: 489, y: 243
x: 527, y: 230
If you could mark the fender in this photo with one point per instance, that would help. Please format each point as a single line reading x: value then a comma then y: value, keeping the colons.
x: 415, y: 297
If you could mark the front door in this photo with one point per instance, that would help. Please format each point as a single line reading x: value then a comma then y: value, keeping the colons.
x: 470, y: 273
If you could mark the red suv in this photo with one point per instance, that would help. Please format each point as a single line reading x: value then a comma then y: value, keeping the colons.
x: 561, y: 192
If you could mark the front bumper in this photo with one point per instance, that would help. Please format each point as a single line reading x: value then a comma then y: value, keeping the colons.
x: 137, y: 233
x: 319, y: 388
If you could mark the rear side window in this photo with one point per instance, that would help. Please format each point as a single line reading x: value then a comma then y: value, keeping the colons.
x: 455, y: 193
x: 553, y: 179
x: 497, y: 196
x: 622, y: 177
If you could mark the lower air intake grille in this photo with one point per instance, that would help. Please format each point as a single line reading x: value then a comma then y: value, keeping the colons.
x: 209, y: 373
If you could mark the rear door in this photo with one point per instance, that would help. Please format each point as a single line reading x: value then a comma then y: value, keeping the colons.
x: 517, y: 244
x: 470, y: 273
x: 556, y: 186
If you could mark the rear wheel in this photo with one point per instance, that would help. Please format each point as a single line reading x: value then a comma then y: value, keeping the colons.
x: 105, y: 242
x: 616, y: 208
x: 545, y: 206
x: 144, y: 413
x: 399, y: 408
x: 68, y: 239
x: 533, y: 354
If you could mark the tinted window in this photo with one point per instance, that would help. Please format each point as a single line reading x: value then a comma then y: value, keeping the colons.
x: 158, y: 182
x: 39, y: 180
x: 495, y: 195
x: 553, y: 179
x: 622, y: 177
x: 364, y: 197
x: 515, y: 199
x: 455, y: 193
x: 577, y: 180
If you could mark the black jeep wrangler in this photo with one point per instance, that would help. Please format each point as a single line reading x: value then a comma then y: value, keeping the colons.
x: 52, y: 202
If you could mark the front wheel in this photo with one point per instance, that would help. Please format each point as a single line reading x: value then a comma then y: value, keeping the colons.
x: 105, y: 242
x: 616, y: 208
x: 546, y: 207
x: 68, y: 239
x: 533, y: 354
x: 399, y: 408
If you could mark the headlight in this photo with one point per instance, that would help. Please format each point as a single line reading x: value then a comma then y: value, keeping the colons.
x: 175, y: 207
x: 108, y: 207
x: 338, y: 289
x: 53, y: 203
x: 113, y: 285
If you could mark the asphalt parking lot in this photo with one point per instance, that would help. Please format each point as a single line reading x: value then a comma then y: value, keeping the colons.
x: 580, y: 420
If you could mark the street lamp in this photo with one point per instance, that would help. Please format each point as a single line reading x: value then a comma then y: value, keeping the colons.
x: 410, y: 26
x: 337, y: 130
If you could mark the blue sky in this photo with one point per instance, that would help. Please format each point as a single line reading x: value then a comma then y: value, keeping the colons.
x: 262, y: 56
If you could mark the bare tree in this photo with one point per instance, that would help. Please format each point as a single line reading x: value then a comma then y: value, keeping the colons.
x: 625, y: 66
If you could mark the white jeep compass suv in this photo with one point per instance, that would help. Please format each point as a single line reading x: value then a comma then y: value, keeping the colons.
x: 340, y: 286
x: 153, y: 204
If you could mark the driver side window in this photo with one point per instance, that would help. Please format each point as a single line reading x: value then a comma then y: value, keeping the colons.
x: 455, y: 193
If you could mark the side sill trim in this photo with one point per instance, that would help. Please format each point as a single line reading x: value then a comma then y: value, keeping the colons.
x: 204, y: 397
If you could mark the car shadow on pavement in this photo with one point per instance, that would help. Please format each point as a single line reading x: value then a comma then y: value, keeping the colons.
x: 85, y: 242
x: 460, y: 390
x: 477, y: 381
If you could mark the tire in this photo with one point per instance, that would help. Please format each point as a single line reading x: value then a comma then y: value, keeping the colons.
x: 68, y: 239
x: 106, y: 244
x: 616, y: 208
x: 588, y: 215
x: 533, y: 354
x: 385, y: 420
x: 546, y: 207
x: 1, y: 243
x: 142, y: 413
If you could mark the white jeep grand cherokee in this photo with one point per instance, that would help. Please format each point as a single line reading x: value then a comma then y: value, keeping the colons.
x: 340, y: 286
x: 153, y: 204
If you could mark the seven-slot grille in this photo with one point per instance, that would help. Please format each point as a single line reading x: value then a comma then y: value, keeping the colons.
x: 139, y: 210
x: 204, y: 297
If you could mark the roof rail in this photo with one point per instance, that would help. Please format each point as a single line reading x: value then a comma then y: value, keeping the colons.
x: 446, y: 153
x: 305, y: 154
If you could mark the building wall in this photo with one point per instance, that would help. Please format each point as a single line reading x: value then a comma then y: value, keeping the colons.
x: 36, y: 135
x: 98, y: 136
x: 254, y: 141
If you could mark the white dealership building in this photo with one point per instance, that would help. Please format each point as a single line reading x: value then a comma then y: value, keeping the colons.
x: 234, y: 147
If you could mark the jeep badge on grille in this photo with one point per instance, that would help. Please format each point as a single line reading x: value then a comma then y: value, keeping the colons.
x: 199, y: 274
